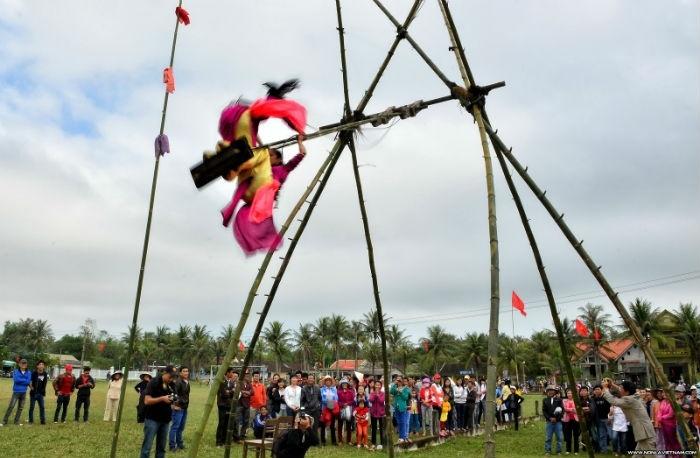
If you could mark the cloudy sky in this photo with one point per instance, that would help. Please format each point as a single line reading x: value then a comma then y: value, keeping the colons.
x: 602, y: 103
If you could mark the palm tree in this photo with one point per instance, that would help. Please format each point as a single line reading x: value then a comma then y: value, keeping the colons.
x: 277, y: 338
x: 182, y: 342
x: 593, y: 316
x: 404, y: 352
x: 40, y: 336
x: 304, y: 340
x: 395, y: 338
x: 321, y: 328
x: 338, y: 329
x: 356, y: 332
x: 646, y: 318
x: 475, y: 347
x: 372, y: 352
x: 442, y: 345
x: 689, y: 319
x: 507, y: 353
x: 220, y: 345
x: 162, y: 339
x: 201, y: 348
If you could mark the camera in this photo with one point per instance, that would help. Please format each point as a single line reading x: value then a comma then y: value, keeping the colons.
x: 173, y: 397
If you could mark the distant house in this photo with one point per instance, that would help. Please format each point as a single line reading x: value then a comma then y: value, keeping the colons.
x: 673, y: 354
x: 62, y: 361
x: 622, y: 357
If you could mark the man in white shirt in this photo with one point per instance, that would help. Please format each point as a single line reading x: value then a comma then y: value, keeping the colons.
x: 292, y: 396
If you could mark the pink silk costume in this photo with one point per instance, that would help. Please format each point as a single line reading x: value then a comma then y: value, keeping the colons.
x: 258, y: 182
x: 257, y: 236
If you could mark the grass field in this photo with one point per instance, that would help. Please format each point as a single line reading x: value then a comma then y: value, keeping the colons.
x: 93, y: 439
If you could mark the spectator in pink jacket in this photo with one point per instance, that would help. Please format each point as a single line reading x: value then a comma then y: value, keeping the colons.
x: 376, y: 411
x: 666, y: 420
x: 572, y: 429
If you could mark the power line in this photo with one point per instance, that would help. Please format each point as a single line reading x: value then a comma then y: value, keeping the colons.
x: 475, y: 313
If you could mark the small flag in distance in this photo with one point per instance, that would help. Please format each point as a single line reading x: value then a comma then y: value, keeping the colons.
x: 518, y: 304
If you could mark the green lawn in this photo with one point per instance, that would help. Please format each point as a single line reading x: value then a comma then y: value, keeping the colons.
x: 94, y: 438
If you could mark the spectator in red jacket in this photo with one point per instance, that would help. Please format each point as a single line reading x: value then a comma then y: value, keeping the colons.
x: 63, y: 386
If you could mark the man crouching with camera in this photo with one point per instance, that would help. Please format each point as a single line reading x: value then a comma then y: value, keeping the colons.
x: 295, y: 442
x: 159, y: 397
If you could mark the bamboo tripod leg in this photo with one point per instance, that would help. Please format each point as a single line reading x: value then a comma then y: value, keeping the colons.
x: 549, y: 294
x: 231, y: 351
x: 365, y: 225
x: 598, y: 275
x: 489, y: 433
x: 142, y: 270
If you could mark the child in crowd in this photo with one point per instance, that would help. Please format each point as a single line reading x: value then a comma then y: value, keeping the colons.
x: 414, y: 412
x: 361, y: 422
x: 444, y: 415
x: 259, y: 422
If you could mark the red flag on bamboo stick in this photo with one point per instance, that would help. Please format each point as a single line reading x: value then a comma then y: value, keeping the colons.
x: 596, y: 334
x: 581, y: 328
x: 518, y: 304
x: 241, y: 346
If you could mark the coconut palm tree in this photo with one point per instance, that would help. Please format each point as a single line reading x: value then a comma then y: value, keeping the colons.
x: 321, y: 328
x: 357, y: 329
x: 304, y: 340
x: 338, y: 329
x: 593, y: 316
x: 394, y: 338
x: 646, y: 317
x: 442, y: 345
x: 689, y: 319
x: 162, y: 339
x: 182, y: 342
x: 278, y: 339
x: 221, y: 343
x: 202, y: 348
x: 40, y: 336
x: 372, y: 352
x: 474, y: 348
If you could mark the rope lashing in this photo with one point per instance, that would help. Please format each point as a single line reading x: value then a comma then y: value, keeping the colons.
x: 162, y: 145
x: 169, y: 79
x: 182, y: 15
x: 475, y: 95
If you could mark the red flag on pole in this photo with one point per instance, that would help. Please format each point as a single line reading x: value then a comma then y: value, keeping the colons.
x: 581, y: 328
x: 596, y: 335
x: 241, y: 346
x: 518, y: 304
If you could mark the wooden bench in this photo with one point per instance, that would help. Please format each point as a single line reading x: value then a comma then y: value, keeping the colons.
x: 274, y: 428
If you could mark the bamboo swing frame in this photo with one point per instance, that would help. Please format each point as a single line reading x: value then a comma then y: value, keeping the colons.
x: 350, y: 122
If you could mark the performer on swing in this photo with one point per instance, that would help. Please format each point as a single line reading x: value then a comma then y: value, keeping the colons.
x: 259, y: 178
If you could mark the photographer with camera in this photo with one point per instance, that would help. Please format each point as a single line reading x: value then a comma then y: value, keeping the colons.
x: 158, y: 412
x: 295, y: 442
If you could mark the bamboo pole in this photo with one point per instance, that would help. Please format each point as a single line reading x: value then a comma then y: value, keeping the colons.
x: 142, y: 270
x: 550, y: 297
x: 598, y: 275
x: 468, y: 78
x: 370, y: 249
x: 233, y: 344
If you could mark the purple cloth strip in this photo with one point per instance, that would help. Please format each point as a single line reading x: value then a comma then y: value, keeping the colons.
x: 162, y: 145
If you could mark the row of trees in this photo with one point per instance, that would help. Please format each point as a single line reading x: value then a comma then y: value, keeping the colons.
x: 330, y: 338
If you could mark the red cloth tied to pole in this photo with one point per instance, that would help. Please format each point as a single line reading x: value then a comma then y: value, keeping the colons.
x: 581, y: 328
x: 182, y: 15
x: 518, y: 304
x: 264, y: 201
x: 169, y: 80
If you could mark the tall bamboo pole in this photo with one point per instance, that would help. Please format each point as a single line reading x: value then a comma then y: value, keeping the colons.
x: 142, y: 270
x: 468, y: 78
x: 598, y: 275
x: 368, y: 238
x: 550, y: 297
x: 231, y: 351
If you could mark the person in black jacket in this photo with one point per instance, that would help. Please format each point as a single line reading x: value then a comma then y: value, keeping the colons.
x: 140, y: 388
x: 601, y: 408
x: 158, y: 412
x: 553, y: 410
x: 84, y: 384
x: 295, y: 442
x: 311, y: 401
x: 223, y: 402
x: 37, y: 391
x: 181, y: 388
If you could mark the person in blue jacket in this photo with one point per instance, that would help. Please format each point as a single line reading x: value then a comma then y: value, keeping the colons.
x: 21, y: 377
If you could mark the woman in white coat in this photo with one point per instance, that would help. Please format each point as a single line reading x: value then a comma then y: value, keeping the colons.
x: 114, y: 391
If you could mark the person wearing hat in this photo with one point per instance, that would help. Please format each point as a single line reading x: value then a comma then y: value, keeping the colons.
x: 84, y: 384
x: 553, y: 411
x: 63, y: 386
x: 21, y: 378
x: 140, y: 388
x: 158, y: 412
x: 114, y: 391
x: 634, y: 411
x: 437, y: 395
x: 346, y: 402
x: 37, y: 391
x: 329, y: 408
